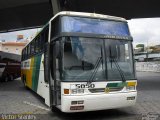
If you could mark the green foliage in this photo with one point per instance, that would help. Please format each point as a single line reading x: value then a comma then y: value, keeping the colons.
x: 140, y: 45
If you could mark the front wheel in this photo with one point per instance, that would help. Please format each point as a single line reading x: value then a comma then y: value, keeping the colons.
x: 6, y: 78
x: 11, y: 78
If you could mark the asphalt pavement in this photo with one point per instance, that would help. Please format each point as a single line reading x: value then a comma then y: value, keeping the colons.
x: 15, y: 99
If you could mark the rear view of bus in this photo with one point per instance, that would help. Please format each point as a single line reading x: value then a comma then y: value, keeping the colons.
x: 92, y: 66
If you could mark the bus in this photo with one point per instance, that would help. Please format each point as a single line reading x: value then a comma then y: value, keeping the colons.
x: 10, y: 66
x: 81, y: 62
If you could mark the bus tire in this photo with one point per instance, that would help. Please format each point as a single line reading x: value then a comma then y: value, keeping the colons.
x: 11, y: 78
x: 6, y: 79
x: 55, y: 109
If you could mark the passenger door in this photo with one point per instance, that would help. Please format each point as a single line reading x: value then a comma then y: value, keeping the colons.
x: 55, y: 73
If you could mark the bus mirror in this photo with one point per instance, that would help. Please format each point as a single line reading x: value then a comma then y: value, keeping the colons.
x: 46, y: 47
x: 46, y: 62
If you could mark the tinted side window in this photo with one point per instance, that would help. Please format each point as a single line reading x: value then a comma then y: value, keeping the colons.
x: 44, y: 37
x: 37, y: 45
x: 55, y: 27
x: 29, y: 50
x: 22, y: 56
x: 32, y: 47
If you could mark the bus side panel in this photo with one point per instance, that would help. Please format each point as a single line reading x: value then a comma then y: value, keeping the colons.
x: 26, y: 72
x: 35, y: 72
x: 29, y: 74
x: 35, y: 77
x: 43, y: 87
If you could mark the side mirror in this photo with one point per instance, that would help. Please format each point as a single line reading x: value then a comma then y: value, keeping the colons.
x: 46, y: 62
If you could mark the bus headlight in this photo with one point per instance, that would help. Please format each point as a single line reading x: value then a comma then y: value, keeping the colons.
x: 77, y: 91
x: 131, y: 86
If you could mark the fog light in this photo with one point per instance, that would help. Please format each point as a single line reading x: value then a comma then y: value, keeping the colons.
x: 130, y: 87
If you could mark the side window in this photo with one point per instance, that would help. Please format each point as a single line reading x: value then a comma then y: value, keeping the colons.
x: 44, y: 37
x: 42, y: 41
x: 22, y: 55
x: 29, y: 50
x: 40, y: 44
x: 55, y: 26
x: 32, y: 47
x: 46, y: 32
x: 37, y: 45
x: 26, y: 52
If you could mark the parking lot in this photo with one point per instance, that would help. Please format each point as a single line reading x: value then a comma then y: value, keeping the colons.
x: 15, y: 99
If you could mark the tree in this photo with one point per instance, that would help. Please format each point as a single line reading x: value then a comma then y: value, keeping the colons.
x: 140, y: 46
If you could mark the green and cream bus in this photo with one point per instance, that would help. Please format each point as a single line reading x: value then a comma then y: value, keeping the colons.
x: 81, y: 62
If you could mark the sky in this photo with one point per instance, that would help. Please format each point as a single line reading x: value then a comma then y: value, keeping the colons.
x: 12, y: 36
x: 144, y: 31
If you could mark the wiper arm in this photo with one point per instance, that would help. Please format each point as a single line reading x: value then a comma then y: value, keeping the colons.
x: 119, y: 69
x: 95, y: 70
x: 117, y: 65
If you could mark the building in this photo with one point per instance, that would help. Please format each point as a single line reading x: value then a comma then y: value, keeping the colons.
x: 12, y: 47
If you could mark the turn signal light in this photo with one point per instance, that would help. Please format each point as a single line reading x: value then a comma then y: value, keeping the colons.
x: 131, y: 84
x: 66, y: 91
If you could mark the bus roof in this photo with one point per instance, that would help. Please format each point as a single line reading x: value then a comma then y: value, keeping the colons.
x: 90, y: 15
x: 81, y: 14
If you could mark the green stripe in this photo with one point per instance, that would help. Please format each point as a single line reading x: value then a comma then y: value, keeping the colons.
x: 36, y: 70
x: 121, y: 84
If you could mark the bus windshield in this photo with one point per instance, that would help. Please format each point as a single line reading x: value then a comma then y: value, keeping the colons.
x: 86, y: 59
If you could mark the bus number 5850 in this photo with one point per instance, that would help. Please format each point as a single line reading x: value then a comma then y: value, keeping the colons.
x: 85, y: 85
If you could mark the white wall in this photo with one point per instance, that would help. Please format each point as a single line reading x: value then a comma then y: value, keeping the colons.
x: 148, y: 66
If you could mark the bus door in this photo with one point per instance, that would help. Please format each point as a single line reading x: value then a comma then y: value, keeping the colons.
x: 56, y: 60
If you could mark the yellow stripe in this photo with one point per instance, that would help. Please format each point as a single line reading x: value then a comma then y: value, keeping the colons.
x: 29, y: 74
x: 131, y: 83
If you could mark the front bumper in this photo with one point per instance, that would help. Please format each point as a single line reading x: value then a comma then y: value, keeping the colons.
x: 95, y: 102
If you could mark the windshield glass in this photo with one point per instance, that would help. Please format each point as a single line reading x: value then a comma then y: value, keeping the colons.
x: 89, y: 59
x: 119, y: 59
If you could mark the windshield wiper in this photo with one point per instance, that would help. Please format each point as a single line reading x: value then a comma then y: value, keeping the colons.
x: 117, y: 65
x: 95, y: 69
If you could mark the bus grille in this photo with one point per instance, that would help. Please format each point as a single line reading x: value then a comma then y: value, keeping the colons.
x: 109, y: 89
